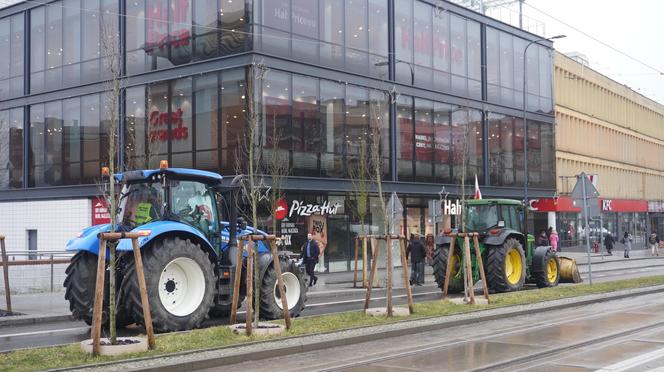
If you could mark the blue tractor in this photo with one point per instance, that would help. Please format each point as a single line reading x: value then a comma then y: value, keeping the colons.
x: 188, y: 252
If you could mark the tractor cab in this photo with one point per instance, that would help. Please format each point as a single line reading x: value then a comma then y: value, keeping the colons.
x: 492, y: 216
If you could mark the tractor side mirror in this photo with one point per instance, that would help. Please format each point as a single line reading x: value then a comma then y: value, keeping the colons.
x: 501, y: 223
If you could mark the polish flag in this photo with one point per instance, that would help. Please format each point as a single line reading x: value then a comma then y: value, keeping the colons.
x: 478, y: 193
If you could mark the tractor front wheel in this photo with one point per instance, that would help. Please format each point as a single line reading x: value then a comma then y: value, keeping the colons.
x: 506, y: 266
x: 80, y: 290
x: 180, y: 285
x: 439, y: 264
x: 270, y: 304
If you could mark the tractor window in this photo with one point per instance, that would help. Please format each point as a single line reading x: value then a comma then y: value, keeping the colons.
x: 192, y: 203
x: 141, y: 203
x: 481, y: 217
x: 511, y: 217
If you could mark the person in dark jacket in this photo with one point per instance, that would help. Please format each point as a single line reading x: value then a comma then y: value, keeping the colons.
x: 542, y: 240
x: 608, y: 243
x: 310, y: 253
x: 417, y: 254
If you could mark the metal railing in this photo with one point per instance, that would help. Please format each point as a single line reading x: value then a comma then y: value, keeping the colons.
x: 34, y: 258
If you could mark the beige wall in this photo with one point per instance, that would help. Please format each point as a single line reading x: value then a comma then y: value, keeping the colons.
x: 605, y: 128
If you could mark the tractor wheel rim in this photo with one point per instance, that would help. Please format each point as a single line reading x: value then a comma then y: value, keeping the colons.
x: 513, y: 266
x: 292, y: 289
x: 551, y: 270
x: 455, y: 265
x: 181, y: 286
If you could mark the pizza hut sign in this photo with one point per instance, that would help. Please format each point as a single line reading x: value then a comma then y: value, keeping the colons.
x: 299, y: 208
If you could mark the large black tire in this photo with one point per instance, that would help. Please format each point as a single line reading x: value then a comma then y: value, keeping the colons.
x: 80, y: 290
x: 270, y: 304
x: 185, y: 304
x: 550, y: 275
x: 223, y: 308
x: 439, y: 264
x: 506, y: 266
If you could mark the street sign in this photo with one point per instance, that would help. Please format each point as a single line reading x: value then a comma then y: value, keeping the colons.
x: 395, y: 211
x: 594, y: 211
x: 435, y: 211
x: 590, y: 195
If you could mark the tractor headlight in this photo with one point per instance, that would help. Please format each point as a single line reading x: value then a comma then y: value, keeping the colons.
x: 144, y: 232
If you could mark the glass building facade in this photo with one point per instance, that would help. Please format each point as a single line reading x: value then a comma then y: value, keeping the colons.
x: 442, y: 86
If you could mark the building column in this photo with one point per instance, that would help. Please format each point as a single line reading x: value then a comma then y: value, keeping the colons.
x: 551, y: 219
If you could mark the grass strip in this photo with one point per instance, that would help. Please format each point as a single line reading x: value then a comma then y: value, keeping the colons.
x: 71, y: 355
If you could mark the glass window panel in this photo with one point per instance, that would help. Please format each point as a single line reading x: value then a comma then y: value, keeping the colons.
x: 90, y: 45
x: 37, y: 49
x: 307, y: 129
x: 180, y: 120
x: 519, y: 45
x: 442, y: 141
x: 277, y: 14
x: 503, y: 150
x: 5, y: 42
x: 378, y: 33
x: 277, y: 110
x: 53, y: 142
x: 37, y: 145
x: 157, y: 34
x: 305, y: 26
x: 493, y: 64
x: 234, y: 24
x: 423, y: 44
x: 72, y: 139
x: 158, y: 122
x: 441, y: 51
x: 357, y: 41
x: 11, y: 148
x: 53, y: 77
x: 424, y: 140
x: 135, y: 37
x: 534, y: 154
x: 206, y: 98
x: 138, y: 147
x: 357, y: 119
x: 331, y: 32
x: 71, y: 41
x: 403, y: 36
x: 545, y: 69
x: 459, y: 55
x: 205, y: 22
x: 405, y: 140
x: 474, y: 60
x: 506, y: 69
x: 548, y: 155
x: 332, y: 96
x: 532, y: 75
x: 94, y: 152
x: 233, y: 116
x: 467, y: 147
x: 380, y: 124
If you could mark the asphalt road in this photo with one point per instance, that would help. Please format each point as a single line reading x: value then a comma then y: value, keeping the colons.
x: 63, y: 332
x: 620, y: 335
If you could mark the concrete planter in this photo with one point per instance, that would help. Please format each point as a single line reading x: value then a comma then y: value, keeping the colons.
x: 263, y: 329
x: 113, y: 350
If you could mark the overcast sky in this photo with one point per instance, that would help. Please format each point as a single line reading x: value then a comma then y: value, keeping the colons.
x: 634, y: 27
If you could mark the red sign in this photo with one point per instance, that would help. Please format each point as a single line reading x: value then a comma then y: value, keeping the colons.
x: 100, y: 213
x: 159, y: 122
x: 282, y: 209
x: 158, y: 35
x: 565, y: 204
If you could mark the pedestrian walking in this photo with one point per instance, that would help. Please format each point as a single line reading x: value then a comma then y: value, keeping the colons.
x: 417, y: 252
x: 553, y: 239
x: 608, y: 243
x: 653, y: 240
x: 542, y: 240
x: 627, y: 241
x: 310, y: 253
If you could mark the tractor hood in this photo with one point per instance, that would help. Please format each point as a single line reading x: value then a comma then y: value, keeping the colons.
x: 87, y: 239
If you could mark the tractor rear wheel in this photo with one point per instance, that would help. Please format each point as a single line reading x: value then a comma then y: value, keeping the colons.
x: 80, y: 290
x: 506, y: 266
x: 296, y: 291
x: 550, y: 276
x: 439, y: 264
x: 180, y: 283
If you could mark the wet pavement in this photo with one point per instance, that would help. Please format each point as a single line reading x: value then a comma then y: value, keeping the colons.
x: 622, y: 335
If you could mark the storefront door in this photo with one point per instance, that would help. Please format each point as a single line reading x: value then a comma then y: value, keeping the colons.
x: 338, y: 250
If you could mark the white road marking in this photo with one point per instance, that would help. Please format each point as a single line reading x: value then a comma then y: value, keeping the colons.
x: 45, y: 332
x: 633, y: 362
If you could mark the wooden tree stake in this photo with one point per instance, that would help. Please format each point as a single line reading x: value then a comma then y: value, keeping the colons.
x: 448, y: 270
x: 485, y: 285
x: 236, y: 282
x: 250, y: 288
x: 147, y: 316
x: 466, y: 252
x: 406, y: 281
x: 5, y: 273
x: 99, y: 298
x: 374, y: 267
x: 355, y: 271
x: 389, y: 275
x: 280, y: 284
x: 364, y: 262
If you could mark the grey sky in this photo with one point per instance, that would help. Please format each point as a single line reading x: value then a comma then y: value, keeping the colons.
x: 634, y: 27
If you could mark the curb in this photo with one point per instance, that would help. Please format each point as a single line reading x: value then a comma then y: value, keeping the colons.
x: 259, y: 350
x: 15, y: 320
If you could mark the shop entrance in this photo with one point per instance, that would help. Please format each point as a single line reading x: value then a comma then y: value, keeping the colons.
x: 339, y: 245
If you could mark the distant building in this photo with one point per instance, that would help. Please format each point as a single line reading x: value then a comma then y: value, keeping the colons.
x: 579, y: 57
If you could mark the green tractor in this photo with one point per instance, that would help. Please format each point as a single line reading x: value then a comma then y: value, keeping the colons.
x: 510, y: 257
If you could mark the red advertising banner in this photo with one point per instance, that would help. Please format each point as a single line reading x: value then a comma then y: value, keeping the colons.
x: 565, y: 204
x: 100, y: 213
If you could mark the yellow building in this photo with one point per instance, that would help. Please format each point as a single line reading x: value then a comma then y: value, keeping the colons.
x: 606, y: 129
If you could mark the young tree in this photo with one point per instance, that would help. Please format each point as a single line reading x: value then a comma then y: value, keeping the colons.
x: 360, y: 175
x: 277, y: 166
x: 113, y: 83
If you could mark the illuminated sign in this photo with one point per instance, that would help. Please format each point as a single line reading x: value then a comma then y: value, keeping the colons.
x: 450, y: 208
x: 298, y: 208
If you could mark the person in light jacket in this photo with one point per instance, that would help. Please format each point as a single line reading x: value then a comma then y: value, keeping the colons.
x: 627, y: 240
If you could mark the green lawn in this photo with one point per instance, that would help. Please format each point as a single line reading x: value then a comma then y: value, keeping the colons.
x: 71, y: 355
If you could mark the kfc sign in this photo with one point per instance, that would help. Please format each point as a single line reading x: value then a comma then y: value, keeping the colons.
x: 606, y: 205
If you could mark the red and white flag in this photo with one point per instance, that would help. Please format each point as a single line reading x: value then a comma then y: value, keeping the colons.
x: 478, y: 193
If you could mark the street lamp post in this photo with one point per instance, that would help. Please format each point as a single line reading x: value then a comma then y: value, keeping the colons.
x: 525, y: 121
